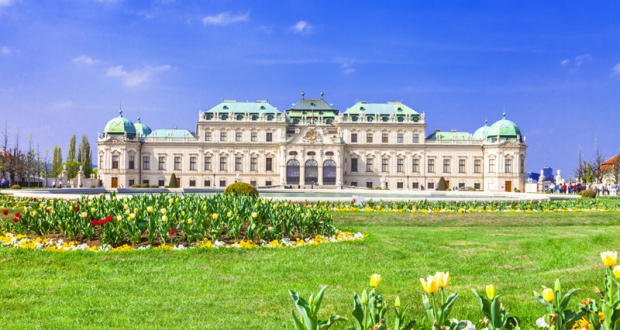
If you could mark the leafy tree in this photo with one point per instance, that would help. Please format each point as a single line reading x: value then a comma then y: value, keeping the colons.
x: 86, y: 156
x: 56, y: 161
x: 72, y: 168
x: 71, y: 155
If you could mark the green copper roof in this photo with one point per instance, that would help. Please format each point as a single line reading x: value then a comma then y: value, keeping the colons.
x: 141, y: 129
x: 482, y: 132
x: 120, y: 124
x: 312, y: 104
x: 504, y: 127
x: 447, y: 136
x: 172, y: 133
x: 243, y: 107
x: 381, y: 108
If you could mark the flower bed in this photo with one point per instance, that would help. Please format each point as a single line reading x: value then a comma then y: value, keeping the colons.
x: 168, y: 221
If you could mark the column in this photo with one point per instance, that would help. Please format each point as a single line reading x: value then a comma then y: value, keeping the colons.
x: 302, y: 173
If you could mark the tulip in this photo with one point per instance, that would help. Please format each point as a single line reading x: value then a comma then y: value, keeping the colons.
x: 617, y: 272
x: 5, y: 212
x: 491, y: 291
x: 114, y: 198
x: 214, y: 216
x: 84, y: 215
x: 364, y: 298
x: 609, y: 258
x: 132, y: 216
x: 397, y: 302
x: 442, y: 279
x: 172, y: 231
x: 189, y: 221
x: 92, y: 210
x: 90, y: 203
x: 119, y: 218
x: 125, y: 206
x: 135, y: 210
x: 176, y: 200
x: 229, y: 214
x: 163, y: 211
x: 254, y: 215
x: 548, y: 295
x: 127, y: 212
x: 149, y: 209
x: 557, y: 287
x: 15, y: 219
x: 430, y: 285
x: 374, y: 280
x: 164, y: 218
x: 183, y: 213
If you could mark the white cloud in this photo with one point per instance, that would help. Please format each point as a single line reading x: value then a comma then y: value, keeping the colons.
x: 565, y: 62
x: 225, y: 19
x: 348, y: 71
x: 6, y: 50
x: 302, y: 27
x: 345, y: 63
x: 579, y: 60
x: 138, y: 76
x: 616, y: 69
x: 85, y: 60
x: 582, y: 58
x: 5, y: 3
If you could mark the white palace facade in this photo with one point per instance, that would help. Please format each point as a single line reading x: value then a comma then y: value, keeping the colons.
x: 312, y: 143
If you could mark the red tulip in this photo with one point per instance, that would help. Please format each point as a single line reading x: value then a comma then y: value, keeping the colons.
x: 102, y: 222
x: 93, y: 223
x: 47, y: 211
x: 171, y: 231
x: 77, y: 208
x: 5, y: 212
x: 19, y: 215
x: 109, y: 218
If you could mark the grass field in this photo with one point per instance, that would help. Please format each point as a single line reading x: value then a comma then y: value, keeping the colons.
x: 247, y: 289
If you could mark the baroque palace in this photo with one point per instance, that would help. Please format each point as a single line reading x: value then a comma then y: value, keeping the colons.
x: 312, y: 143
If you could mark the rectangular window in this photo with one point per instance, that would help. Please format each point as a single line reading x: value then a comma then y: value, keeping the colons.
x: 353, y: 137
x: 115, y: 162
x: 238, y: 136
x: 461, y: 165
x: 399, y: 138
x: 415, y: 185
x: 430, y: 185
x: 222, y: 183
x: 192, y: 183
x: 192, y: 163
x: 431, y: 166
x: 399, y: 165
x: 461, y: 185
x: 384, y: 138
x: 223, y: 164
x: 146, y: 163
x: 477, y: 186
x: 354, y: 184
x: 492, y: 165
x: 369, y: 184
x: 384, y: 165
x: 369, y: 165
x: 207, y: 163
x: 161, y: 183
x: 416, y: 166
x: 269, y: 137
x: 207, y: 183
x: 477, y: 163
x: 416, y: 138
x: 399, y: 185
x: 446, y: 166
x: 508, y: 166
x: 162, y: 163
x: 131, y: 182
x: 353, y: 164
x: 223, y: 136
x: 253, y: 164
x: 268, y: 164
x: 100, y: 161
x: 238, y: 164
x: 522, y: 166
x: 253, y: 183
x: 177, y: 163
x: 145, y: 181
x: 254, y: 137
x: 369, y: 138
x: 207, y: 136
x: 267, y: 183
x: 132, y: 162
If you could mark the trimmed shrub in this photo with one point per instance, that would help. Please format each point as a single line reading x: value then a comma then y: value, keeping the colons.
x: 153, y: 186
x: 547, y: 191
x: 173, y: 182
x: 369, y: 188
x: 588, y: 194
x: 57, y: 187
x: 135, y: 186
x: 377, y: 188
x: 471, y: 189
x: 16, y: 186
x: 166, y: 187
x: 517, y: 190
x: 241, y: 189
x: 144, y: 185
x: 386, y: 188
x: 448, y: 189
x: 93, y: 186
x: 442, y: 184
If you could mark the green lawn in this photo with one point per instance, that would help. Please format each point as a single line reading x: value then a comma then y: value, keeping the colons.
x: 247, y: 289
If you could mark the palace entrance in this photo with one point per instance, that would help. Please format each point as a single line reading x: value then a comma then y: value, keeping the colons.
x: 329, y: 172
x: 311, y: 172
x: 292, y: 172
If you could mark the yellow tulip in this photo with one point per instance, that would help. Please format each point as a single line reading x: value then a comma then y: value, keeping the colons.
x: 149, y: 209
x: 397, y: 302
x: 164, y: 218
x: 548, y: 295
x: 442, y: 279
x: 183, y: 213
x: 127, y: 212
x: 114, y: 198
x: 163, y: 211
x: 90, y: 203
x: 374, y: 280
x: 491, y: 291
x: 215, y: 216
x: 176, y: 200
x: 135, y: 210
x: 84, y: 215
x: 132, y: 216
x: 254, y: 215
x: 171, y: 201
x: 125, y: 206
x: 609, y: 258
x: 204, y: 208
x: 119, y: 218
x: 617, y: 272
x: 189, y: 221
x: 229, y: 214
x: 430, y: 285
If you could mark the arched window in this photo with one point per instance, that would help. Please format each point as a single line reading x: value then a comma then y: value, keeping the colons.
x: 224, y: 117
x: 329, y: 172
x: 311, y: 172
x: 293, y: 153
x: 270, y: 117
x: 329, y: 153
x: 254, y: 117
x: 239, y: 117
x: 292, y: 171
x: 311, y: 153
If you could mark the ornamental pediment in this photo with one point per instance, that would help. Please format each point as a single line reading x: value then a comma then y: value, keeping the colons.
x: 509, y: 144
x: 312, y: 135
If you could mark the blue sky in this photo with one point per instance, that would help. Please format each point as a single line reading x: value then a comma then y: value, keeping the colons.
x: 554, y: 66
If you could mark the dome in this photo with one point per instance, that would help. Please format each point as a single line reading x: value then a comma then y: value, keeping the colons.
x: 482, y: 132
x: 141, y: 129
x: 504, y: 127
x: 120, y: 125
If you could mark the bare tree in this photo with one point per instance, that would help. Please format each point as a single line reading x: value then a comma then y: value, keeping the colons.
x: 580, y: 169
x: 597, y: 163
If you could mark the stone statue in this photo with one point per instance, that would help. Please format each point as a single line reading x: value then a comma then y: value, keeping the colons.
x: 297, y: 130
x: 64, y: 167
x: 339, y: 183
x: 237, y: 178
x: 82, y: 170
x: 383, y: 185
x: 542, y: 173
